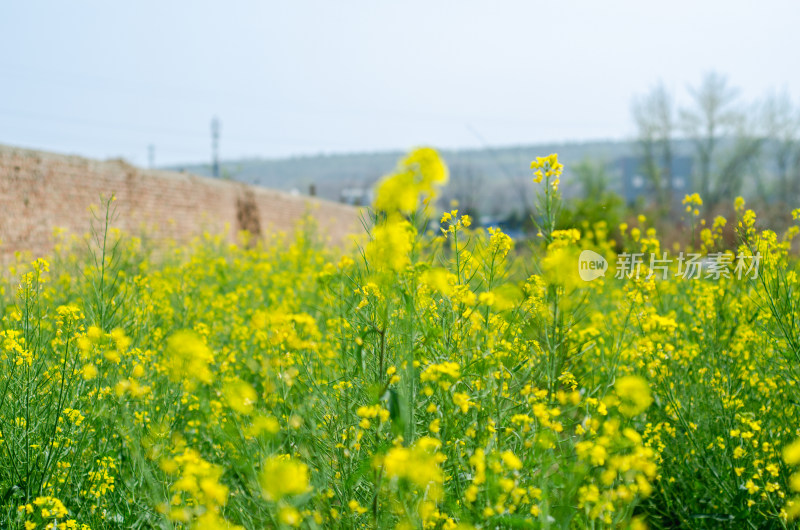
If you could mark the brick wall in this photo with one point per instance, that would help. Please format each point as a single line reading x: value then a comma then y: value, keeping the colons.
x: 41, y: 191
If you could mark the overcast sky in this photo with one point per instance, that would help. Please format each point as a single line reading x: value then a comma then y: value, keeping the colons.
x: 106, y: 79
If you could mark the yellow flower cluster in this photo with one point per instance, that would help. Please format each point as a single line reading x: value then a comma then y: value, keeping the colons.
x: 188, y: 358
x: 283, y: 476
x: 429, y: 379
x: 390, y: 245
x: 547, y: 166
x: 420, y: 173
x: 692, y: 202
x: 197, y: 495
x: 634, y: 395
x: 443, y: 374
x: 420, y: 464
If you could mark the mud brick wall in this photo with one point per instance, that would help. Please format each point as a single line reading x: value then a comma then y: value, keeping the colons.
x: 42, y: 191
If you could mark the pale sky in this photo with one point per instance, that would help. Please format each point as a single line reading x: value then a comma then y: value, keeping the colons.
x: 106, y: 79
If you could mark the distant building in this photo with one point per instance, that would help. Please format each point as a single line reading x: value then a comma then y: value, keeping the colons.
x: 356, y: 196
x: 509, y: 228
x: 635, y: 185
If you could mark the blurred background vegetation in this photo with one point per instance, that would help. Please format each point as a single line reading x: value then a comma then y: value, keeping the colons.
x: 717, y: 145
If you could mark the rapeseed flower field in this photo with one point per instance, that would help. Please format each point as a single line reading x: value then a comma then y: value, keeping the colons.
x: 439, y: 376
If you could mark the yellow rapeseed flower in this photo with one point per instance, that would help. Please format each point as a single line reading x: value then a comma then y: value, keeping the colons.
x: 419, y: 173
x: 419, y: 464
x: 240, y: 396
x: 282, y: 476
x: 89, y: 372
x: 511, y: 460
x: 188, y: 358
x: 634, y: 394
x: 390, y: 245
x: 791, y: 453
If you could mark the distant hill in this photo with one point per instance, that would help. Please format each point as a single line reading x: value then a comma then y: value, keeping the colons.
x: 496, y: 180
x: 495, y: 172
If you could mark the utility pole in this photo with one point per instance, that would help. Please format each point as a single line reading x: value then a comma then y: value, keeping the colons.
x: 215, y: 147
x: 151, y: 156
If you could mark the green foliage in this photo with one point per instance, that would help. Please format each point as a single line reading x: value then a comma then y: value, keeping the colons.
x: 425, y: 381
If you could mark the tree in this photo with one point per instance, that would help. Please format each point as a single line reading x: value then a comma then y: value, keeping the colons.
x: 713, y: 118
x: 738, y: 161
x: 465, y: 187
x: 781, y: 123
x: 593, y: 178
x: 597, y: 204
x: 654, y: 115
